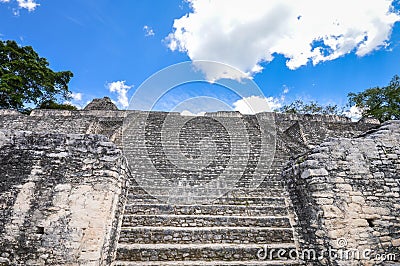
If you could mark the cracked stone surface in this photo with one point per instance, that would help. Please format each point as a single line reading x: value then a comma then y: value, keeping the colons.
x: 348, y: 188
x: 67, y: 196
x: 59, y: 198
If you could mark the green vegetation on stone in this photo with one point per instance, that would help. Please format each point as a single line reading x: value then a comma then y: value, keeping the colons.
x: 379, y: 103
x: 53, y: 105
x: 300, y: 107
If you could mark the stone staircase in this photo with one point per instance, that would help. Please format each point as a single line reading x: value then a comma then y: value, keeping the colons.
x: 228, y: 230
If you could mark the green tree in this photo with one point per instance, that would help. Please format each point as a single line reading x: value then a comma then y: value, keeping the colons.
x: 53, y: 105
x: 380, y: 103
x: 26, y: 79
x: 300, y: 107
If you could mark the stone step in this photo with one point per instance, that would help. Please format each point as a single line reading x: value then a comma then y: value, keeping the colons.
x: 269, y: 180
x: 270, y: 190
x: 226, y: 210
x: 195, y: 135
x: 238, y: 185
x: 239, y: 141
x: 231, y: 194
x: 276, y: 185
x: 205, y: 235
x: 205, y: 252
x: 204, y: 221
x: 209, y: 263
x: 170, y: 175
x: 244, y: 139
x: 240, y: 200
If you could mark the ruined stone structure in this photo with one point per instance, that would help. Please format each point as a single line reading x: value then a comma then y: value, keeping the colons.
x: 101, y: 104
x: 70, y: 196
x: 348, y: 188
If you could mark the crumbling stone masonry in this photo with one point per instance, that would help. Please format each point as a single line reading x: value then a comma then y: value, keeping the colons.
x: 67, y: 196
x: 60, y: 198
x: 345, y: 193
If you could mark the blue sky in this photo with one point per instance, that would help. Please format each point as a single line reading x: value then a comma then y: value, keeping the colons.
x: 290, y: 50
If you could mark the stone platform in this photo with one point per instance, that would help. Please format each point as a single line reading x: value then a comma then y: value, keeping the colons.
x: 109, y: 187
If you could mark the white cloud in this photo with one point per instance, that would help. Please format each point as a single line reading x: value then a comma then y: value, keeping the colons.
x: 76, y: 96
x: 27, y: 4
x: 188, y: 113
x: 76, y: 100
x: 354, y: 113
x: 121, y: 89
x: 257, y: 104
x: 148, y: 31
x: 285, y: 90
x: 214, y: 72
x: 245, y: 33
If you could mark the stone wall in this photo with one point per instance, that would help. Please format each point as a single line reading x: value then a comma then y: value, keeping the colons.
x: 64, y: 190
x: 345, y: 194
x: 109, y: 123
x: 102, y: 122
x: 59, y: 198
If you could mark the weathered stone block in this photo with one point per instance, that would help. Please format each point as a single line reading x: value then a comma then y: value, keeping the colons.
x: 314, y: 172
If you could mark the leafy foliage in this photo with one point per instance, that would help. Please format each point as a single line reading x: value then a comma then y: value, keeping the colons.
x: 380, y: 103
x: 25, y: 78
x: 53, y: 105
x: 300, y: 107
